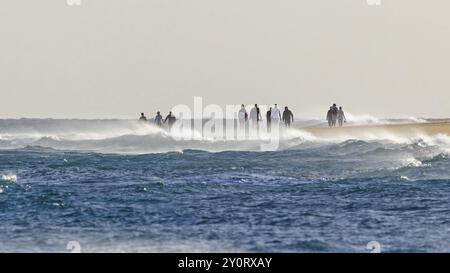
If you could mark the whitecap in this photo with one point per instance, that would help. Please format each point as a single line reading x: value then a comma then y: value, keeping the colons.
x: 412, y: 162
x: 131, y: 137
x: 9, y: 178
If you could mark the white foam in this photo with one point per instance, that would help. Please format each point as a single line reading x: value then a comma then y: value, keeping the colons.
x: 9, y: 178
x: 405, y: 178
x: 125, y: 136
x: 440, y: 140
x: 412, y: 162
x: 364, y: 119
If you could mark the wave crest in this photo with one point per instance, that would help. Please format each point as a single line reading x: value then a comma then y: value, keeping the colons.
x: 124, y: 136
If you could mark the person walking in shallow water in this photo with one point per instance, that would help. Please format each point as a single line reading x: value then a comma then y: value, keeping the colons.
x: 255, y: 118
x: 275, y: 116
x: 269, y: 119
x: 330, y: 117
x: 334, y: 114
x: 288, y: 117
x: 143, y: 117
x: 341, y: 117
x: 242, y: 115
x: 170, y: 119
x: 158, y: 119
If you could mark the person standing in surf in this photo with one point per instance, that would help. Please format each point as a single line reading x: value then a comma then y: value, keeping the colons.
x: 268, y: 117
x: 330, y: 117
x: 143, y: 117
x: 275, y: 116
x: 341, y: 117
x: 334, y: 114
x: 288, y: 117
x: 158, y: 119
x: 242, y: 115
x: 255, y: 117
x: 170, y: 119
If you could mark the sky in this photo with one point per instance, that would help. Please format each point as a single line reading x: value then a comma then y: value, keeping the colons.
x: 116, y: 58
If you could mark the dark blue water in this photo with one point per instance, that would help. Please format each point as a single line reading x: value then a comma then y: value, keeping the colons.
x: 314, y: 197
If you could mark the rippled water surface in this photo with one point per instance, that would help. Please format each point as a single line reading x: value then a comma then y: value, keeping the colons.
x: 308, y: 197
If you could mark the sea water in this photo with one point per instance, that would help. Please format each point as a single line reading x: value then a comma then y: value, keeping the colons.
x: 121, y: 186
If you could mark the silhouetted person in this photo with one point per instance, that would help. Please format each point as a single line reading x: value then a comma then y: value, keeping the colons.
x: 334, y: 110
x: 255, y: 117
x: 288, y: 117
x: 158, y: 119
x: 242, y: 115
x: 341, y: 117
x: 170, y: 119
x: 330, y: 117
x: 143, y: 117
x: 269, y: 119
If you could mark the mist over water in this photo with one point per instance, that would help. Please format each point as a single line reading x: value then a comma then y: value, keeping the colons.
x: 120, y: 185
x: 132, y: 137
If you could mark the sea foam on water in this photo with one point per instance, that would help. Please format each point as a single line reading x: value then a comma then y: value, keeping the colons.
x: 9, y: 178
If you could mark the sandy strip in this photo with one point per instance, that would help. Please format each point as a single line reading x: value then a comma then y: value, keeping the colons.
x: 401, y: 130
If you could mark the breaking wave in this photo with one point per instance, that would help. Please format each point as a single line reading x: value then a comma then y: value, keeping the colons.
x: 131, y: 137
x: 117, y: 185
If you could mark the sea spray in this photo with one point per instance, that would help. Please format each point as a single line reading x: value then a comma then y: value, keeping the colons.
x: 132, y: 137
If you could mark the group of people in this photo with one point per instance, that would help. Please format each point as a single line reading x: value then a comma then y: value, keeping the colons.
x: 336, y: 115
x: 159, y: 120
x: 273, y: 117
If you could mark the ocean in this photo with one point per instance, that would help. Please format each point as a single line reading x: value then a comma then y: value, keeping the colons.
x: 122, y: 186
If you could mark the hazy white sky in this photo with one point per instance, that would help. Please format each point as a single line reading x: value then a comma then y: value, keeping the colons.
x: 116, y: 58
